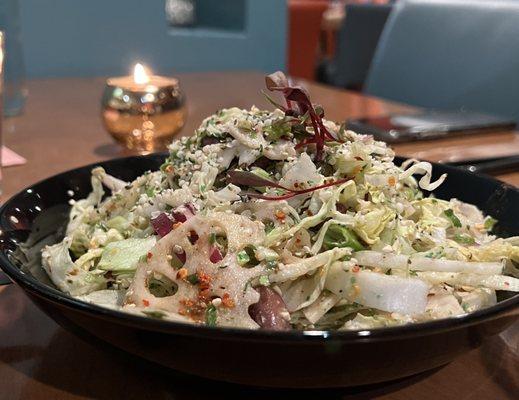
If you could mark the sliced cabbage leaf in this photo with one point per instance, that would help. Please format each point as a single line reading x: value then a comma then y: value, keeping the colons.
x: 339, y: 235
x: 123, y: 256
x: 369, y: 225
x: 66, y: 275
x: 420, y: 263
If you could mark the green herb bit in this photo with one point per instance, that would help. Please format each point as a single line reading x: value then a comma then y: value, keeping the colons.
x: 243, y: 258
x: 154, y: 314
x: 463, y: 238
x: 246, y: 258
x: 388, y: 272
x: 264, y: 280
x: 412, y: 272
x: 272, y: 264
x: 455, y: 221
x: 489, y: 223
x: 143, y: 258
x: 211, y: 315
x: 269, y: 226
x: 193, y: 279
x: 150, y: 191
x: 340, y: 236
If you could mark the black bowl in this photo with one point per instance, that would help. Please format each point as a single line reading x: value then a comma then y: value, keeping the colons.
x: 253, y: 357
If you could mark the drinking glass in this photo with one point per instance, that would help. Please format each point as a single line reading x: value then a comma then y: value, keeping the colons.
x: 15, y: 91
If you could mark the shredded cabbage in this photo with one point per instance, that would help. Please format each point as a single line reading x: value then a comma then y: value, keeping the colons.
x: 316, y: 218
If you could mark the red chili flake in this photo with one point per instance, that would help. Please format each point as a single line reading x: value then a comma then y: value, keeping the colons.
x: 507, y: 284
x: 204, y: 295
x: 309, y: 213
x: 204, y: 278
x: 187, y: 302
x: 149, y: 255
x: 280, y: 215
x: 355, y: 268
x: 146, y: 303
x: 296, y: 184
x: 227, y: 302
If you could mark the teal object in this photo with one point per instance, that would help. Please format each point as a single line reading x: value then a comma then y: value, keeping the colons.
x: 99, y: 38
x: 452, y: 54
x: 15, y: 92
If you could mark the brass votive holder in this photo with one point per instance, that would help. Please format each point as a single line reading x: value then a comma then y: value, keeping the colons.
x: 143, y: 114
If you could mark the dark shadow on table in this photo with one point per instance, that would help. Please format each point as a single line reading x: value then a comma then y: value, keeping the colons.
x: 111, y: 150
x: 115, y: 150
x: 501, y: 359
x: 101, y: 372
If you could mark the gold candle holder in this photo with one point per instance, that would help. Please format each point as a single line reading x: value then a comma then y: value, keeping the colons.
x: 143, y: 112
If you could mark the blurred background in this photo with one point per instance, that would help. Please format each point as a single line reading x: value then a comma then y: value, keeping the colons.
x: 441, y: 55
x: 419, y: 47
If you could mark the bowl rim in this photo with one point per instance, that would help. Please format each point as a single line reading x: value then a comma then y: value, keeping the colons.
x: 32, y: 285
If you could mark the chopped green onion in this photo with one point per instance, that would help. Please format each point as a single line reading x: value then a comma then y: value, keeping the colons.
x: 193, y: 279
x: 340, y: 236
x: 455, y: 221
x: 154, y: 314
x: 243, y: 258
x: 211, y: 315
x: 463, y: 239
x: 247, y: 257
x: 489, y: 223
x: 269, y: 226
x: 264, y: 280
x: 272, y: 264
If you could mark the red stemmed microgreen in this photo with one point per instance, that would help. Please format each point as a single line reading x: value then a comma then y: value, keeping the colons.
x: 298, y: 104
x: 245, y: 178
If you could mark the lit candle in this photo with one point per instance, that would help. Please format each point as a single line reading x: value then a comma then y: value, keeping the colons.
x: 143, y: 111
x: 142, y: 80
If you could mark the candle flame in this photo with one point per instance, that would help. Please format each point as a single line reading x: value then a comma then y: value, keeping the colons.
x: 140, y: 75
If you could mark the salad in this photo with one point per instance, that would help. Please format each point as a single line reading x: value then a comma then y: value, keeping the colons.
x: 281, y: 220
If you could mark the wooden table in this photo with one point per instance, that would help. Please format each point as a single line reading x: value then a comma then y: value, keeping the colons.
x: 61, y: 129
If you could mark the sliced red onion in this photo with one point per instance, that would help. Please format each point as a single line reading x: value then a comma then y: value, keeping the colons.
x: 162, y: 224
x: 270, y: 311
x: 183, y: 213
x: 216, y: 255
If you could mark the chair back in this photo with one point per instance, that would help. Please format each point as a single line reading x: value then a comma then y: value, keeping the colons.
x: 356, y: 43
x: 450, y: 54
